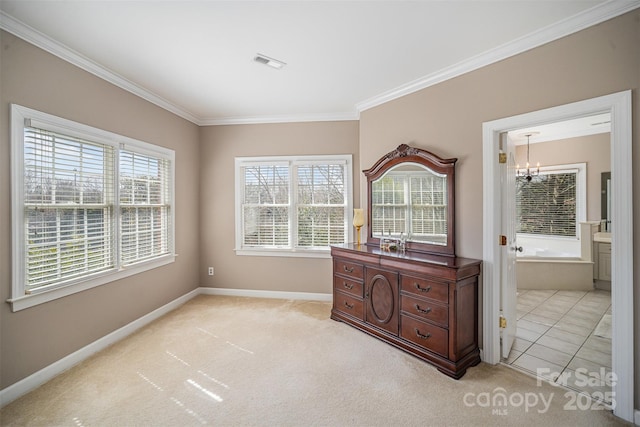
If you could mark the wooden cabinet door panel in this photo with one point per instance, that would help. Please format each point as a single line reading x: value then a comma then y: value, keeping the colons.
x: 382, y: 299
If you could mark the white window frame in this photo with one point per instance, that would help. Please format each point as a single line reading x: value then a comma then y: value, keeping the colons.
x: 291, y: 161
x: 581, y: 195
x: 20, y: 299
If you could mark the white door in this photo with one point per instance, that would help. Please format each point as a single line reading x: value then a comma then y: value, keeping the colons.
x: 508, y: 294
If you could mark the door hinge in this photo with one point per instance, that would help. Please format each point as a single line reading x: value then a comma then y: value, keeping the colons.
x: 502, y: 157
x: 503, y: 322
x: 502, y: 240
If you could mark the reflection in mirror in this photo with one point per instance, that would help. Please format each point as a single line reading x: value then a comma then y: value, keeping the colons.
x: 605, y: 201
x: 410, y: 201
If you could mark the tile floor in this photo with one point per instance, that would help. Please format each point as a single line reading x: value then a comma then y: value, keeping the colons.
x: 557, y: 331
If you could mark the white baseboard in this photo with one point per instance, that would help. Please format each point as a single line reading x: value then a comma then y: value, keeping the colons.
x: 307, y: 296
x: 636, y: 417
x: 36, y: 379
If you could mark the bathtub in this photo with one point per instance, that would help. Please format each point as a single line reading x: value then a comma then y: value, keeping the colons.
x: 548, y: 247
x: 554, y: 263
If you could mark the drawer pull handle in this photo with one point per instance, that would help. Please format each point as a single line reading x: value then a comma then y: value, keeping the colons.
x: 421, y: 289
x: 424, y: 337
x: 348, y: 285
x: 422, y: 310
x: 348, y: 270
x: 346, y: 304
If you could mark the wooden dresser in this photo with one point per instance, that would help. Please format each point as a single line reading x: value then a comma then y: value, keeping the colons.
x: 426, y: 305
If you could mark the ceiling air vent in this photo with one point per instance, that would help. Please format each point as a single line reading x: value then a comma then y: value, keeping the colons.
x: 273, y: 63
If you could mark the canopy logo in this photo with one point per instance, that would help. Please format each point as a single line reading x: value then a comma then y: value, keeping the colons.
x: 500, y: 401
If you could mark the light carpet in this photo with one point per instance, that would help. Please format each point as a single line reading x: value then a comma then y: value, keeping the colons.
x: 232, y: 361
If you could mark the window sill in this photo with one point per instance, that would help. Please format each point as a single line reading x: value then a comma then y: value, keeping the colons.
x: 26, y: 301
x: 318, y: 253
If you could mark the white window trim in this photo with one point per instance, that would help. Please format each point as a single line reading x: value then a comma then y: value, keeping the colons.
x: 581, y: 196
x: 291, y: 161
x: 19, y: 299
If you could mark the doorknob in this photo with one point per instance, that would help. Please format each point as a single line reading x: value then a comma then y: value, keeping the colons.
x: 517, y: 248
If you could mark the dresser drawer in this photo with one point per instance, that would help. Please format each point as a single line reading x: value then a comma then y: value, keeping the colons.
x: 348, y: 268
x: 429, y: 336
x: 425, y: 288
x: 348, y: 304
x: 349, y: 286
x: 433, y: 312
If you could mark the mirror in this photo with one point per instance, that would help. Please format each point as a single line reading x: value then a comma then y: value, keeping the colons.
x: 411, y: 196
x: 605, y: 201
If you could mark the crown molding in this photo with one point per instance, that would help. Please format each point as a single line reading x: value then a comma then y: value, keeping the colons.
x: 46, y: 43
x: 330, y: 117
x: 590, y: 17
x: 580, y: 21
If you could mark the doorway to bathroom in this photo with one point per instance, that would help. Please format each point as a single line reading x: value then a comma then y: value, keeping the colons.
x: 563, y: 259
x: 496, y: 294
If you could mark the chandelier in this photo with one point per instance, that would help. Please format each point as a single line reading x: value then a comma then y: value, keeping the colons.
x: 527, y: 173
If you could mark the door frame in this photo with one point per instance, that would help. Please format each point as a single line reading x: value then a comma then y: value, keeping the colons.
x: 619, y: 106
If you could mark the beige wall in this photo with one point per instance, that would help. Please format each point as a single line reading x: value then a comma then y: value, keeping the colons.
x: 220, y: 145
x: 38, y: 336
x: 447, y: 118
x: 594, y: 150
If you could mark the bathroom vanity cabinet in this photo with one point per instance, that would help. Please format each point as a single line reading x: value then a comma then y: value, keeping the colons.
x: 602, y: 265
x: 406, y: 286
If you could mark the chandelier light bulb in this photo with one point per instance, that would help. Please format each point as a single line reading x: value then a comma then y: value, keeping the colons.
x: 527, y: 173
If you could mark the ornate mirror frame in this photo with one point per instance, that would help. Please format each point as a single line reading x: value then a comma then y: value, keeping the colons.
x: 407, y: 154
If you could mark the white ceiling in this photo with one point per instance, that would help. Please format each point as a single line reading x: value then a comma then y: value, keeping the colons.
x: 580, y: 126
x: 195, y: 58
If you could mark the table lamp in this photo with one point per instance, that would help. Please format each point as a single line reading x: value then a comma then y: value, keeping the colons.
x: 358, y: 221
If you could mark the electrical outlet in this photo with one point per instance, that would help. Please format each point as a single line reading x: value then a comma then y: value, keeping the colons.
x: 210, y: 271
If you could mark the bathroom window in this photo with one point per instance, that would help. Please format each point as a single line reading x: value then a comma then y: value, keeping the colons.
x: 89, y: 207
x: 292, y: 206
x: 553, y: 203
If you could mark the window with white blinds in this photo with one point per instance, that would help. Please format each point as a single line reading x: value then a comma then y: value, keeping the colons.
x: 68, y: 207
x: 292, y: 204
x: 321, y: 205
x: 265, y: 206
x: 145, y: 206
x: 553, y: 202
x: 87, y: 205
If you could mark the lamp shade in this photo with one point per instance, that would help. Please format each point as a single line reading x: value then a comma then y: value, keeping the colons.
x: 358, y: 218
